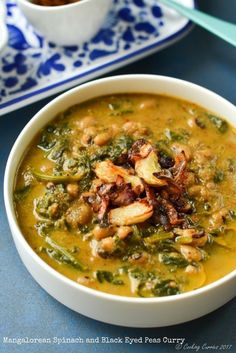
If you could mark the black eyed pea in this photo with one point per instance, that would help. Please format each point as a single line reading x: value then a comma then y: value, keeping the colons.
x: 53, y: 209
x: 114, y: 129
x: 147, y: 104
x: 130, y: 127
x: 190, y: 253
x: 78, y: 214
x: 73, y: 189
x: 190, y: 269
x: 107, y: 244
x: 100, y: 233
x: 102, y: 138
x: 124, y: 231
x: 86, y: 122
x: 88, y: 135
x: 91, y: 131
x: 218, y: 218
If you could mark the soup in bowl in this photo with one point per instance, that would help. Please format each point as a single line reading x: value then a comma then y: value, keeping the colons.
x: 123, y: 200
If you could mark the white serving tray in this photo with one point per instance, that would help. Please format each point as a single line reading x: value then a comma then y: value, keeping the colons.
x: 32, y: 69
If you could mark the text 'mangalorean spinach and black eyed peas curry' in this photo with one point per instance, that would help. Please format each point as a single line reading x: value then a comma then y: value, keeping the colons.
x: 132, y: 194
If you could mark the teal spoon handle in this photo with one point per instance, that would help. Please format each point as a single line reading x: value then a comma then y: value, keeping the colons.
x: 220, y: 28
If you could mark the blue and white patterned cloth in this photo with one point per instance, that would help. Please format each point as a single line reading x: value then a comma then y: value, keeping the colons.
x: 30, y: 66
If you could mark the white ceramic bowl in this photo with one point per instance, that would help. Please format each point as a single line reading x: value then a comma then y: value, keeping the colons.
x: 70, y: 24
x: 136, y: 312
x: 3, y: 27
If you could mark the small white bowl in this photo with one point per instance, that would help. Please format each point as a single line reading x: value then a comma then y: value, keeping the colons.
x: 70, y: 24
x: 125, y: 311
x: 3, y: 27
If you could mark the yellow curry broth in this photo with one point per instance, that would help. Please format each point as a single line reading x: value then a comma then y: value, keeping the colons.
x: 209, y: 145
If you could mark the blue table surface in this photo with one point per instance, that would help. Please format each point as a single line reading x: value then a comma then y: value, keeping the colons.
x: 28, y: 311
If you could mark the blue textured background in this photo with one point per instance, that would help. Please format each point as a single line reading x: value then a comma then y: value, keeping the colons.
x: 27, y: 310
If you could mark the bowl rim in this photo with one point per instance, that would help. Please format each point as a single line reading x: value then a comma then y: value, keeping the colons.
x: 18, y: 235
x: 57, y: 8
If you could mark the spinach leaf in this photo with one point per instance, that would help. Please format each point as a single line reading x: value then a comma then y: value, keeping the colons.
x: 51, y: 135
x: 166, y: 245
x: 140, y: 274
x: 79, y: 169
x: 157, y: 237
x: 57, y: 150
x: 114, y: 150
x: 62, y: 255
x: 221, y: 125
x: 107, y: 276
x: 53, y: 204
x: 21, y: 194
x: 232, y: 214
x: 201, y: 122
x: 149, y: 284
x: 57, y: 179
x: 219, y: 176
x: 180, y: 135
x: 173, y: 259
x: 47, y: 140
x: 230, y: 165
x: 165, y: 287
x: 121, y: 107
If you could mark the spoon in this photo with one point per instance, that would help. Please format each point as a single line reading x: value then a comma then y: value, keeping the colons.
x: 220, y: 28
